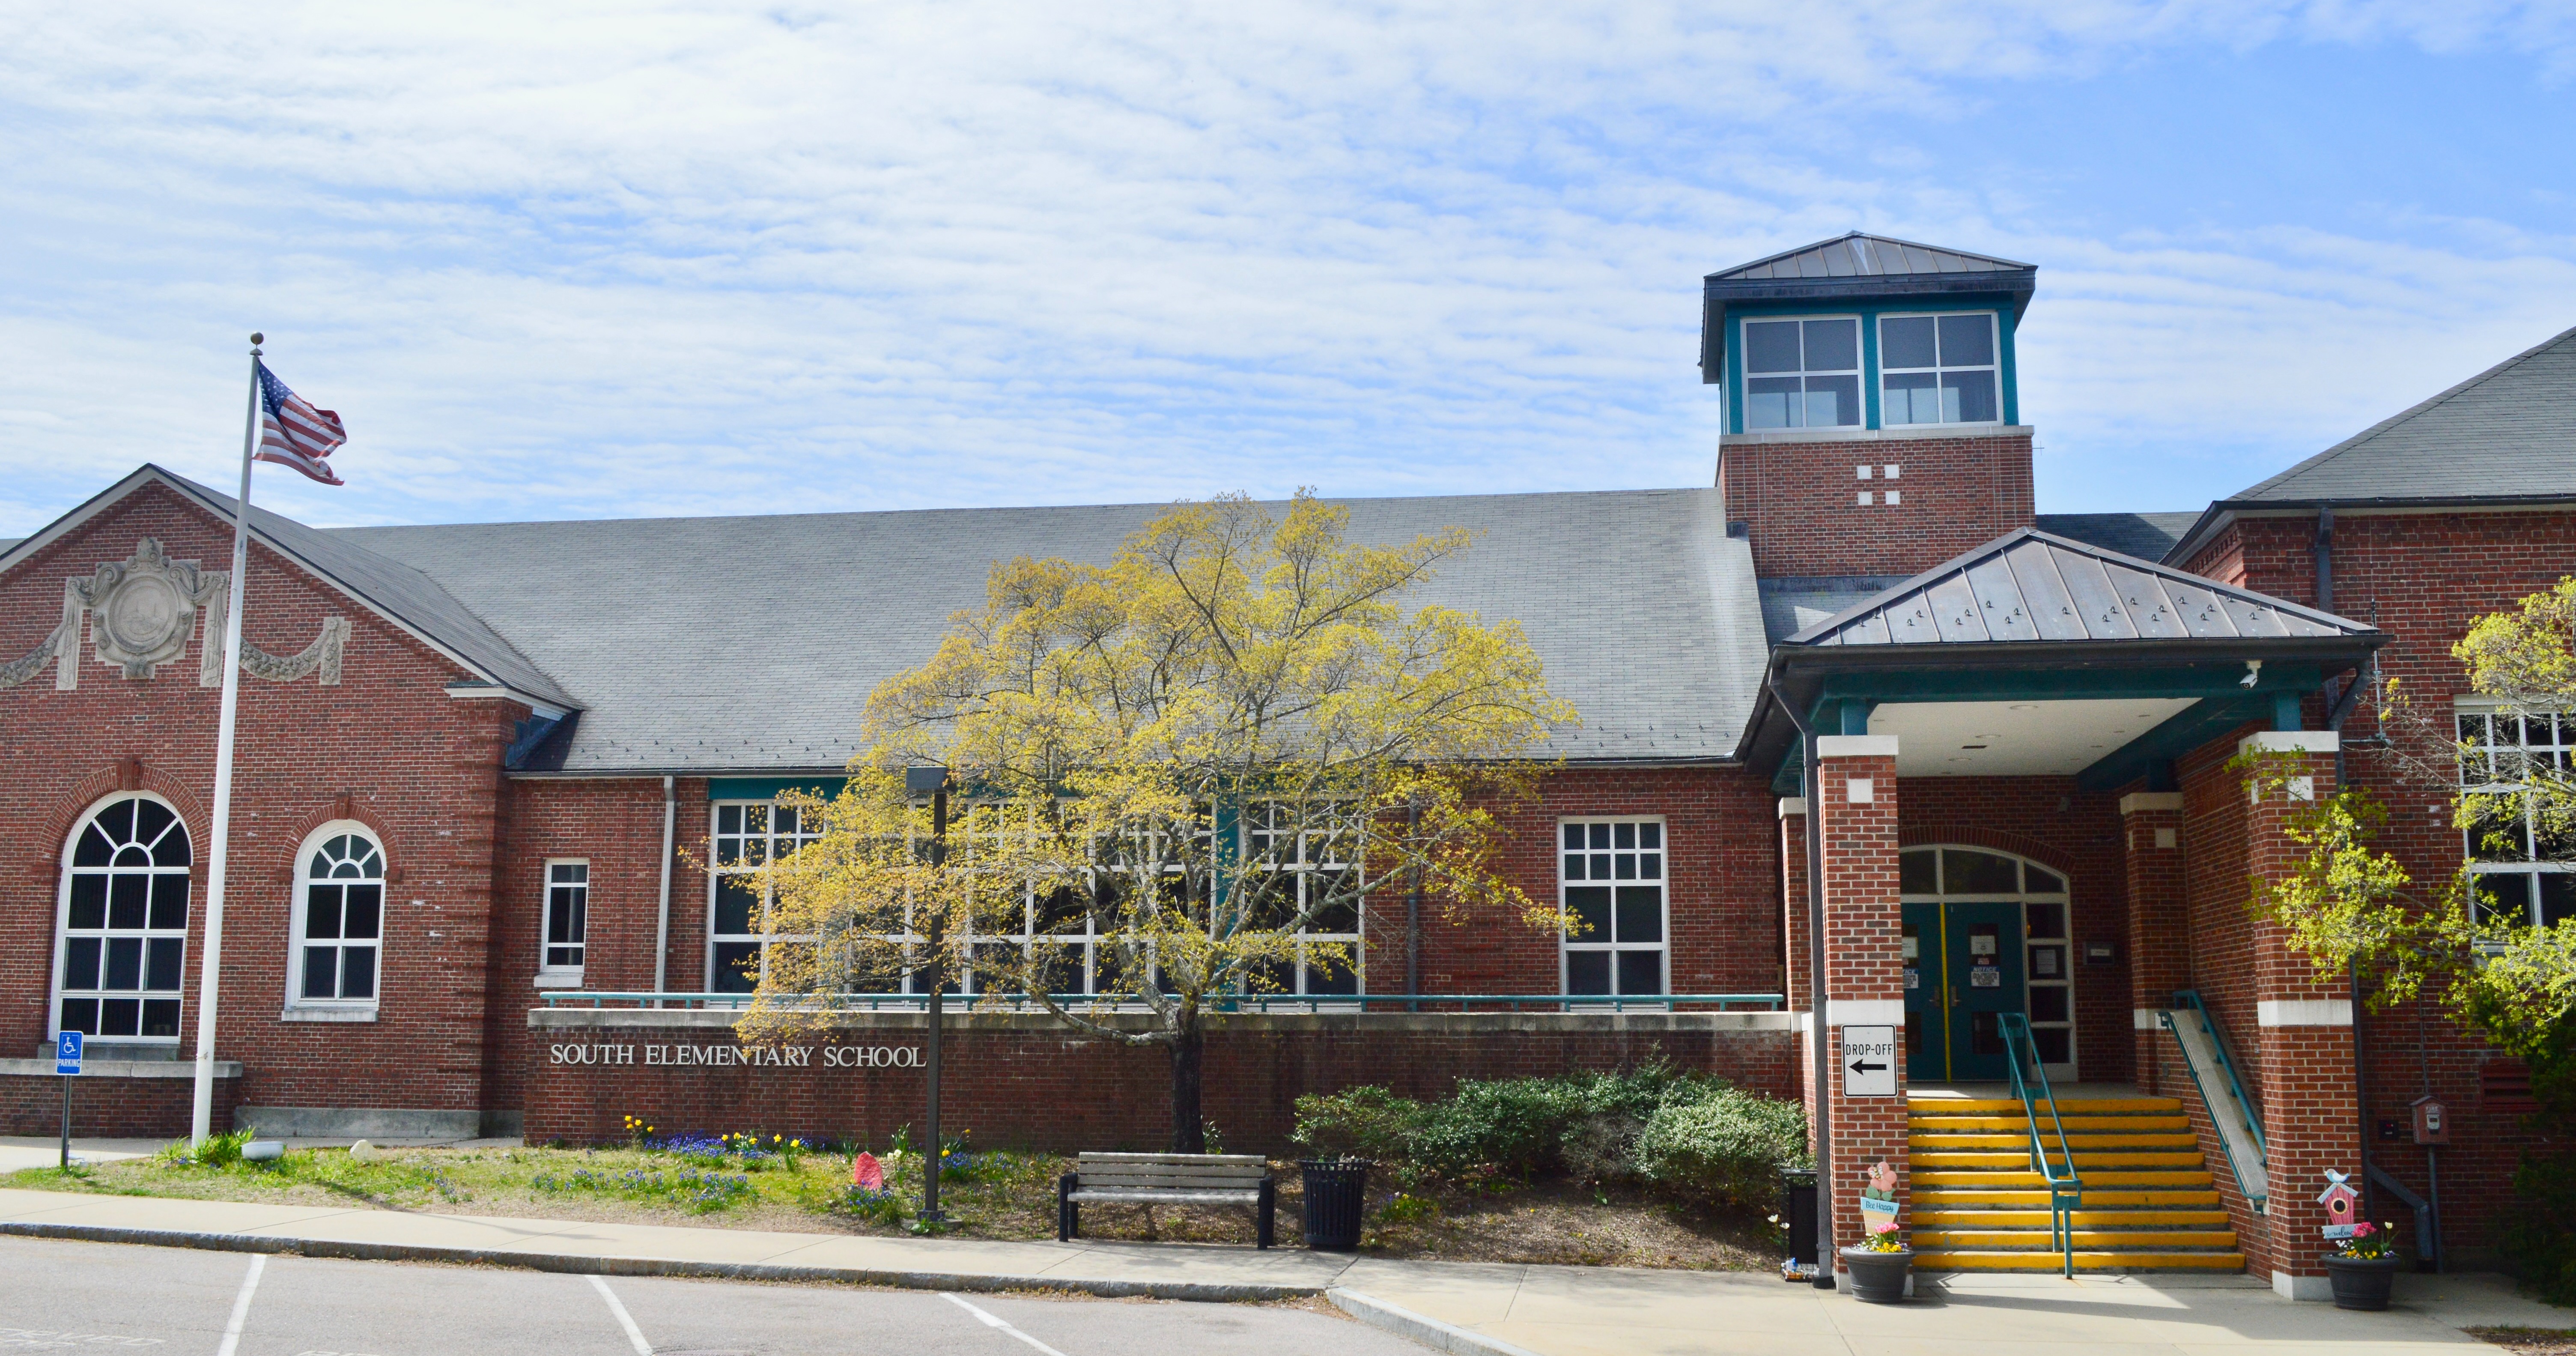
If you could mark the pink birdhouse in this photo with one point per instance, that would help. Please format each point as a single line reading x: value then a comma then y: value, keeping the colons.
x: 2339, y: 1199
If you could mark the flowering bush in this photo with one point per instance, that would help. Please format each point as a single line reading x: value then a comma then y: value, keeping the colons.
x: 1886, y: 1240
x: 2369, y: 1243
x: 699, y: 1191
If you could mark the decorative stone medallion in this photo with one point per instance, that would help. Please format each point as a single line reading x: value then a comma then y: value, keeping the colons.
x: 143, y: 612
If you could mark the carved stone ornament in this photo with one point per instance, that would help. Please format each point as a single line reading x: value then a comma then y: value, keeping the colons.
x: 142, y: 615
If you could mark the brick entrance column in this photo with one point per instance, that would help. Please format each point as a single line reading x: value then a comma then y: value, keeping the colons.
x: 2159, y: 918
x: 1855, y: 812
x: 2304, y: 1039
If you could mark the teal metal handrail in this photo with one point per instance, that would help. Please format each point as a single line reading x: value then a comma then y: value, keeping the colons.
x: 1365, y: 1002
x: 2190, y: 998
x: 2065, y: 1194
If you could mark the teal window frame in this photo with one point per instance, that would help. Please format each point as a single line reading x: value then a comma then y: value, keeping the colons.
x: 2007, y: 361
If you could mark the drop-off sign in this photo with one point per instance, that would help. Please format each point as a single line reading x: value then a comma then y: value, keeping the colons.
x: 1869, y: 1061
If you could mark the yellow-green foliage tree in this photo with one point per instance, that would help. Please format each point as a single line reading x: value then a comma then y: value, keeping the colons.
x: 1202, y: 753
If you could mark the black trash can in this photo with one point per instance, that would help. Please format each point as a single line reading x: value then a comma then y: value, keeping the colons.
x: 1336, y: 1199
x: 1798, y: 1211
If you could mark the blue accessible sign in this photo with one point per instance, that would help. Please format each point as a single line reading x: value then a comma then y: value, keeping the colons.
x: 67, y: 1053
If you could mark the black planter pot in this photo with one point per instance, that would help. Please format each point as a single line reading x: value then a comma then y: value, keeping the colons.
x: 1336, y: 1199
x: 2362, y: 1283
x: 1878, y: 1277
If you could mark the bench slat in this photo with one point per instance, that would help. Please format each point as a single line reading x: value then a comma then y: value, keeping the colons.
x: 1106, y: 1180
x: 1169, y: 1197
x: 1234, y: 1160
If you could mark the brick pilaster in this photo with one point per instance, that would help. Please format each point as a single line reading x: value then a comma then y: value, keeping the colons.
x: 1793, y: 899
x: 2159, y: 922
x: 1855, y: 805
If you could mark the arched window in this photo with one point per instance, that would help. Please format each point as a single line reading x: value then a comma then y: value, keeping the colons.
x: 339, y: 918
x: 124, y: 938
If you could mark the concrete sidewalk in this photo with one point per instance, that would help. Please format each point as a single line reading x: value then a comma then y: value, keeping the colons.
x: 1462, y: 1307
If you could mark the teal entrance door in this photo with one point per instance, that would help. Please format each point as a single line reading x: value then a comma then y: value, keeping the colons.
x: 1963, y: 971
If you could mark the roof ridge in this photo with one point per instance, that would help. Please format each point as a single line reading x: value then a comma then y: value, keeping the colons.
x: 2409, y: 414
x: 1876, y: 238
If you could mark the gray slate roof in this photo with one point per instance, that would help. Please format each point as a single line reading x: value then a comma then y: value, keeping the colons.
x: 1861, y: 255
x: 1792, y: 603
x: 2508, y: 431
x: 751, y: 644
x: 2032, y: 586
x: 2144, y: 535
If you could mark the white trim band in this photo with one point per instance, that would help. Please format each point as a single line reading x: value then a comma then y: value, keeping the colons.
x: 1792, y: 805
x: 2303, y: 1012
x: 2290, y: 741
x: 1859, y: 1012
x: 2146, y: 1019
x: 1855, y: 746
x: 2150, y: 800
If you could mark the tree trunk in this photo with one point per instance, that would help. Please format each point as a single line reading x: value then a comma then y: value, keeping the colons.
x: 1189, y: 1128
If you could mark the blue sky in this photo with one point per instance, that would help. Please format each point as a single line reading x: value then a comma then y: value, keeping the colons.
x: 572, y: 261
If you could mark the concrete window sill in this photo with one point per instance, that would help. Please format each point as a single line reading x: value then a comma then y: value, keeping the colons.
x: 327, y: 1015
x: 559, y: 979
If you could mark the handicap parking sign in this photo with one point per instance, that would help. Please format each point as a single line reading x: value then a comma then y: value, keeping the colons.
x: 67, y: 1053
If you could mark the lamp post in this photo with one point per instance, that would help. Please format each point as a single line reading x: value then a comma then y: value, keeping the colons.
x: 933, y: 782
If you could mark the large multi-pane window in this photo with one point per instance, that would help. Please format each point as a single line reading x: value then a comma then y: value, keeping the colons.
x: 567, y: 920
x: 125, y: 923
x: 339, y: 918
x: 748, y: 836
x: 2522, y: 867
x: 1313, y: 878
x: 1937, y: 369
x: 1611, y: 885
x: 1802, y: 373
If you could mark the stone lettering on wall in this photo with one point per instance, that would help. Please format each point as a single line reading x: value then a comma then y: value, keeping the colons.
x: 735, y: 1056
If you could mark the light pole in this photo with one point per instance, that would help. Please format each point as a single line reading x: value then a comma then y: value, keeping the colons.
x: 933, y: 782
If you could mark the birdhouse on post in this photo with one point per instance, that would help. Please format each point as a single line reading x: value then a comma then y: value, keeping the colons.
x: 2341, y: 1200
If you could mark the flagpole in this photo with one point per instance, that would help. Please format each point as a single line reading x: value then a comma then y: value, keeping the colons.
x: 201, y: 1117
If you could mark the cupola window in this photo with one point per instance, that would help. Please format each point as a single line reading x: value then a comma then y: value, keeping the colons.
x: 1802, y: 373
x: 1937, y: 369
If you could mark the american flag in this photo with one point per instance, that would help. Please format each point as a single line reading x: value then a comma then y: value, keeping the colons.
x: 293, y: 433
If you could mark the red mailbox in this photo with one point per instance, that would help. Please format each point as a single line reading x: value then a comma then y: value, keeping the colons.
x: 2432, y: 1121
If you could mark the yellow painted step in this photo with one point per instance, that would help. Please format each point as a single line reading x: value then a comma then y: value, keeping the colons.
x: 2084, y: 1162
x: 1920, y: 1123
x: 2085, y: 1239
x: 2084, y: 1219
x: 2144, y: 1139
x: 2090, y: 1106
x: 1963, y: 1198
x: 1962, y: 1260
x: 1949, y: 1177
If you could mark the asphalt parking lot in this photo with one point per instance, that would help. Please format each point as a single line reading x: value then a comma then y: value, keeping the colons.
x: 70, y: 1296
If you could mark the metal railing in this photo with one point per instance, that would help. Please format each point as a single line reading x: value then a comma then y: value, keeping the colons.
x: 2066, y: 1193
x: 2255, y: 1185
x: 1269, y: 1002
x: 2190, y: 998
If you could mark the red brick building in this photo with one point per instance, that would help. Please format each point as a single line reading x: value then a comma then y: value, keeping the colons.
x: 490, y: 777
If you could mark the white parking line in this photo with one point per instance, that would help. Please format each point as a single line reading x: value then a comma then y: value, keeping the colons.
x: 992, y: 1322
x: 241, y: 1306
x: 624, y: 1319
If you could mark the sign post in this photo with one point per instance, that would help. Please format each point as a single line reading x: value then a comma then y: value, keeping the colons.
x: 67, y: 1062
x: 1869, y: 1061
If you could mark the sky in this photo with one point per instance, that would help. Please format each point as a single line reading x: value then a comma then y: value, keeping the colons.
x: 572, y: 260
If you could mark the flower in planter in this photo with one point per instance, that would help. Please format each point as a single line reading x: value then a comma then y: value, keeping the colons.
x: 2369, y: 1243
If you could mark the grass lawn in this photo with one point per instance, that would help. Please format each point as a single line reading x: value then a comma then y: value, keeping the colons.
x: 997, y: 1195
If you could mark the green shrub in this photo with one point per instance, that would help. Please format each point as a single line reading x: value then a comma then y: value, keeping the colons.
x: 1724, y: 1146
x: 1516, y: 1126
x: 217, y: 1151
x: 1362, y: 1122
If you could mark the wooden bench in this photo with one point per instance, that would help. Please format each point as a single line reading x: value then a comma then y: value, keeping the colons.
x: 1167, y: 1179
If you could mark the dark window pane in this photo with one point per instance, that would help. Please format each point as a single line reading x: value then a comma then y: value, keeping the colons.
x: 169, y: 902
x: 1626, y: 862
x: 1332, y: 974
x: 1650, y: 836
x: 1641, y: 972
x: 95, y: 849
x: 1906, y: 342
x: 2053, y: 1045
x: 1600, y: 836
x: 1832, y: 401
x: 118, y: 819
x: 1915, y: 873
x: 1833, y: 345
x: 1270, y: 977
x: 363, y: 916
x: 728, y: 819
x: 1589, y: 909
x: 131, y: 855
x: 2039, y: 880
x: 1059, y: 968
x: 162, y: 973
x: 1343, y: 917
x: 1272, y: 904
x: 172, y: 849
x: 1650, y: 866
x: 1968, y: 397
x: 80, y: 963
x: 321, y: 971
x: 1909, y: 398
x: 1574, y: 866
x: 563, y: 957
x: 755, y: 819
x: 1600, y: 866
x: 1587, y: 972
x: 1061, y: 911
x: 89, y: 902
x: 358, y: 972
x: 1985, y: 1034
x: 120, y: 1017
x: 2557, y: 897
x: 1771, y: 346
x: 2048, y: 1005
x: 1574, y: 835
x: 124, y: 964
x: 322, y: 912
x: 2473, y: 729
x: 1623, y: 837
x: 1978, y: 873
x: 2046, y: 920
x: 737, y: 899
x: 161, y: 1017
x: 128, y: 901
x: 81, y: 1014
x: 731, y: 960
x: 1641, y: 914
x: 2505, y: 896
x: 1967, y: 341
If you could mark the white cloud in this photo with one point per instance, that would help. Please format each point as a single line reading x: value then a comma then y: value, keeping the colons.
x: 587, y: 260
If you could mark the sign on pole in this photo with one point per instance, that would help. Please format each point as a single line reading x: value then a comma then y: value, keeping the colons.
x: 67, y: 1053
x: 1869, y: 1061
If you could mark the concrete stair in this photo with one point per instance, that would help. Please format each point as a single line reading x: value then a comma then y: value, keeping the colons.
x: 2149, y: 1204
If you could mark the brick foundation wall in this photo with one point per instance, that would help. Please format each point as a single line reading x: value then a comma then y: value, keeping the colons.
x: 1800, y: 500
x: 1019, y: 1081
x: 109, y: 1107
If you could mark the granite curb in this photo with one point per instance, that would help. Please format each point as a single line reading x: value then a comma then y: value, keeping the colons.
x: 1430, y: 1332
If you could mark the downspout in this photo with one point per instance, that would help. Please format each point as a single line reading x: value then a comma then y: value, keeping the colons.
x: 1413, y: 909
x: 662, y: 924
x: 1818, y: 1035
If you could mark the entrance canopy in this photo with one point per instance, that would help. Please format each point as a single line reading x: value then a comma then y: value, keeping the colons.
x: 2036, y: 655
